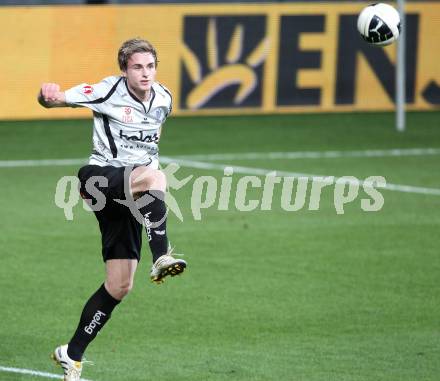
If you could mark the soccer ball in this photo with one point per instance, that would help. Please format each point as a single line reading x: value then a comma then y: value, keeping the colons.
x: 379, y: 24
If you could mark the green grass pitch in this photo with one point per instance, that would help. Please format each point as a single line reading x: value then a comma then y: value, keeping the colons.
x: 268, y: 295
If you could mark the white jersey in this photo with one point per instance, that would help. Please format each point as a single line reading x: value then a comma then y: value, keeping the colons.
x: 125, y: 129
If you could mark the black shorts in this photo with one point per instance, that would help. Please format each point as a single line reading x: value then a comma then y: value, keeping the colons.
x: 120, y: 231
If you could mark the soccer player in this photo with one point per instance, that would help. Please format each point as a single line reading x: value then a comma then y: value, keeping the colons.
x: 128, y: 113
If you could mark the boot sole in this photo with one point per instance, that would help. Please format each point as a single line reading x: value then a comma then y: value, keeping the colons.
x: 176, y: 269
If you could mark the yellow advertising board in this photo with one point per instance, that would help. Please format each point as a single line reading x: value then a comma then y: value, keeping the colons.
x: 222, y: 58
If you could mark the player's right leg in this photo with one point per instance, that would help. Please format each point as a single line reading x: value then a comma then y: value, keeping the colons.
x: 98, y: 310
x: 121, y: 244
x: 96, y: 313
x: 120, y: 276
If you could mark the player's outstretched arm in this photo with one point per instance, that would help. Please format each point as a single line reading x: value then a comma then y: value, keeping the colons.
x: 51, y: 96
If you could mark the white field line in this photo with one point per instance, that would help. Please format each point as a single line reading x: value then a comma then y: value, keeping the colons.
x: 241, y: 169
x: 315, y: 154
x: 247, y: 156
x: 264, y: 171
x: 31, y: 372
x: 41, y: 163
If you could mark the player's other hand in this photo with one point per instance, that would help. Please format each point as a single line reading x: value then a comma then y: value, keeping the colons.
x: 50, y: 91
x: 51, y: 96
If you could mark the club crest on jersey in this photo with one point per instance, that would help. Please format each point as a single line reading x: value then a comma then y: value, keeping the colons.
x: 87, y: 89
x: 159, y: 115
x: 126, y: 115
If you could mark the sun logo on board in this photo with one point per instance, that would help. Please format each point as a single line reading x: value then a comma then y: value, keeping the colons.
x: 222, y: 61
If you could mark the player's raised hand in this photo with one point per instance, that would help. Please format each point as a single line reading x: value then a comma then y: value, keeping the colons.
x: 50, y: 91
x: 50, y: 95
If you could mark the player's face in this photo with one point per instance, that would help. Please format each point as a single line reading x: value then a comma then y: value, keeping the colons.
x: 141, y: 72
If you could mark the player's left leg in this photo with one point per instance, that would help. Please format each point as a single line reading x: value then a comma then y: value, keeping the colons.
x: 148, y: 185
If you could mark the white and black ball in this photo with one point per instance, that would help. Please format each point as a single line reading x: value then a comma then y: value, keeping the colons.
x: 379, y: 24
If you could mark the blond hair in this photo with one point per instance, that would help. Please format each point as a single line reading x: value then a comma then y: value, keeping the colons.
x: 134, y: 45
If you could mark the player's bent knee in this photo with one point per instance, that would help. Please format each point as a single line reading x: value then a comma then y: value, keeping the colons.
x: 144, y: 179
x: 161, y: 179
x: 141, y: 178
x: 157, y: 180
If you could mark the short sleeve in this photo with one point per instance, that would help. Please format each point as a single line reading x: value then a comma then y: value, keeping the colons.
x: 92, y: 96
